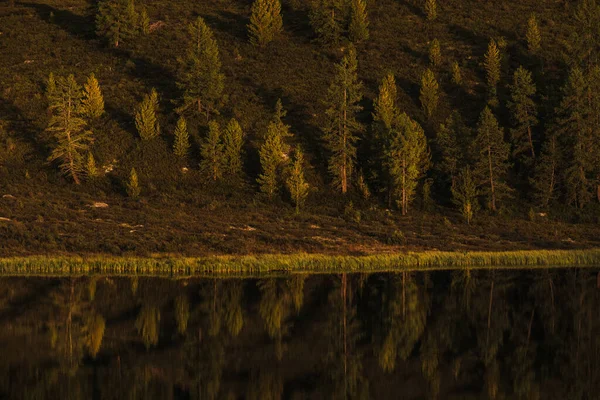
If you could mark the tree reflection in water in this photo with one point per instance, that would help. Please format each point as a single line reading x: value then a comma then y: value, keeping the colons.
x: 457, y: 334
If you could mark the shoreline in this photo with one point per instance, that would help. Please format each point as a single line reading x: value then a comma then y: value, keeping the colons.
x: 225, y: 265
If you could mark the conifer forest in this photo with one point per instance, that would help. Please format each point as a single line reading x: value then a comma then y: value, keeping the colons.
x: 280, y: 126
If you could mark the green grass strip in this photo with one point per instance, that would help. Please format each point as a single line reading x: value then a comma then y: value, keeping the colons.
x: 294, y: 263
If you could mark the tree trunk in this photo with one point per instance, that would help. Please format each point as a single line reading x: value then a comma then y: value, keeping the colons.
x: 531, y: 142
x: 404, y: 202
x: 344, y: 135
x: 493, y: 189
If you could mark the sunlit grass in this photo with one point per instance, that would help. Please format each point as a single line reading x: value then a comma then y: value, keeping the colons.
x: 295, y: 263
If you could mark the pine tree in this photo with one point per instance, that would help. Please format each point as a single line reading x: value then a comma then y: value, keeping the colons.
x: 233, y: 141
x: 450, y: 143
x: 429, y: 93
x: 117, y: 20
x: 533, y: 35
x: 200, y: 76
x: 265, y: 22
x: 435, y: 53
x: 523, y: 113
x: 586, y: 36
x: 91, y: 171
x: 133, y: 186
x: 211, y: 151
x: 491, y: 158
x: 340, y: 131
x: 386, y: 113
x: 144, y: 22
x: 328, y: 19
x: 50, y: 87
x: 492, y: 67
x: 146, y: 119
x: 359, y: 25
x: 464, y: 194
x: 181, y: 146
x: 93, y: 102
x: 385, y: 103
x: 72, y: 139
x: 407, y: 158
x: 577, y: 127
x: 296, y: 184
x: 273, y: 152
x: 431, y: 9
x: 456, y: 74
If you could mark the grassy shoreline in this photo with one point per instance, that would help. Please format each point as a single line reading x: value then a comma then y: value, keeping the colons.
x: 294, y: 263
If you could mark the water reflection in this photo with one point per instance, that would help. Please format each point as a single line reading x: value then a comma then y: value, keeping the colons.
x: 438, y: 335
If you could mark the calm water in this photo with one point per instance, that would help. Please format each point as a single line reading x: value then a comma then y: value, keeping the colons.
x: 446, y: 335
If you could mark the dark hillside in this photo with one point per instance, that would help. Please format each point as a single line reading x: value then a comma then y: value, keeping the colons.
x: 181, y: 211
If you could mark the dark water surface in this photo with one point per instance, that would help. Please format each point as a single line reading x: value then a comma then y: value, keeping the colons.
x: 436, y: 335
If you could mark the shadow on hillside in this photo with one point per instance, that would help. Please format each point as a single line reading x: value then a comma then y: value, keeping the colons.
x: 229, y: 23
x: 20, y: 124
x: 77, y: 25
x: 411, y: 7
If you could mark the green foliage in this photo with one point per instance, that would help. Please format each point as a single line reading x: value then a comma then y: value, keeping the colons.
x: 200, y: 76
x: 435, y: 53
x: 450, y: 144
x: 492, y: 152
x: 491, y: 65
x: 68, y: 129
x: 146, y: 118
x: 341, y: 127
x: 464, y: 194
x: 585, y: 40
x: 577, y: 124
x: 133, y: 186
x: 181, y: 146
x: 233, y: 147
x: 523, y: 113
x: 93, y: 101
x: 265, y: 22
x: 359, y: 24
x: 406, y: 158
x: 50, y: 87
x: 385, y: 103
x: 91, y: 171
x: 296, y: 184
x: 429, y: 95
x: 117, y: 21
x: 456, y: 74
x: 144, y: 22
x: 431, y: 9
x: 211, y: 151
x: 328, y: 19
x: 534, y: 39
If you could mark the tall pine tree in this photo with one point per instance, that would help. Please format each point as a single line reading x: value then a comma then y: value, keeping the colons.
x: 265, y: 22
x: 429, y: 95
x: 524, y: 115
x: 181, y: 146
x: 200, y: 76
x: 296, y: 184
x: 211, y: 151
x: 341, y: 128
x: 359, y: 24
x: 492, y: 152
x: 407, y: 158
x: 93, y: 102
x: 328, y: 19
x: 71, y: 138
x: 117, y: 20
x: 491, y: 64
x: 146, y: 118
x: 273, y: 152
x: 233, y: 141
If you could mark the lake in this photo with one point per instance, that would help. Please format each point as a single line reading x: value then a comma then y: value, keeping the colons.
x: 463, y: 334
